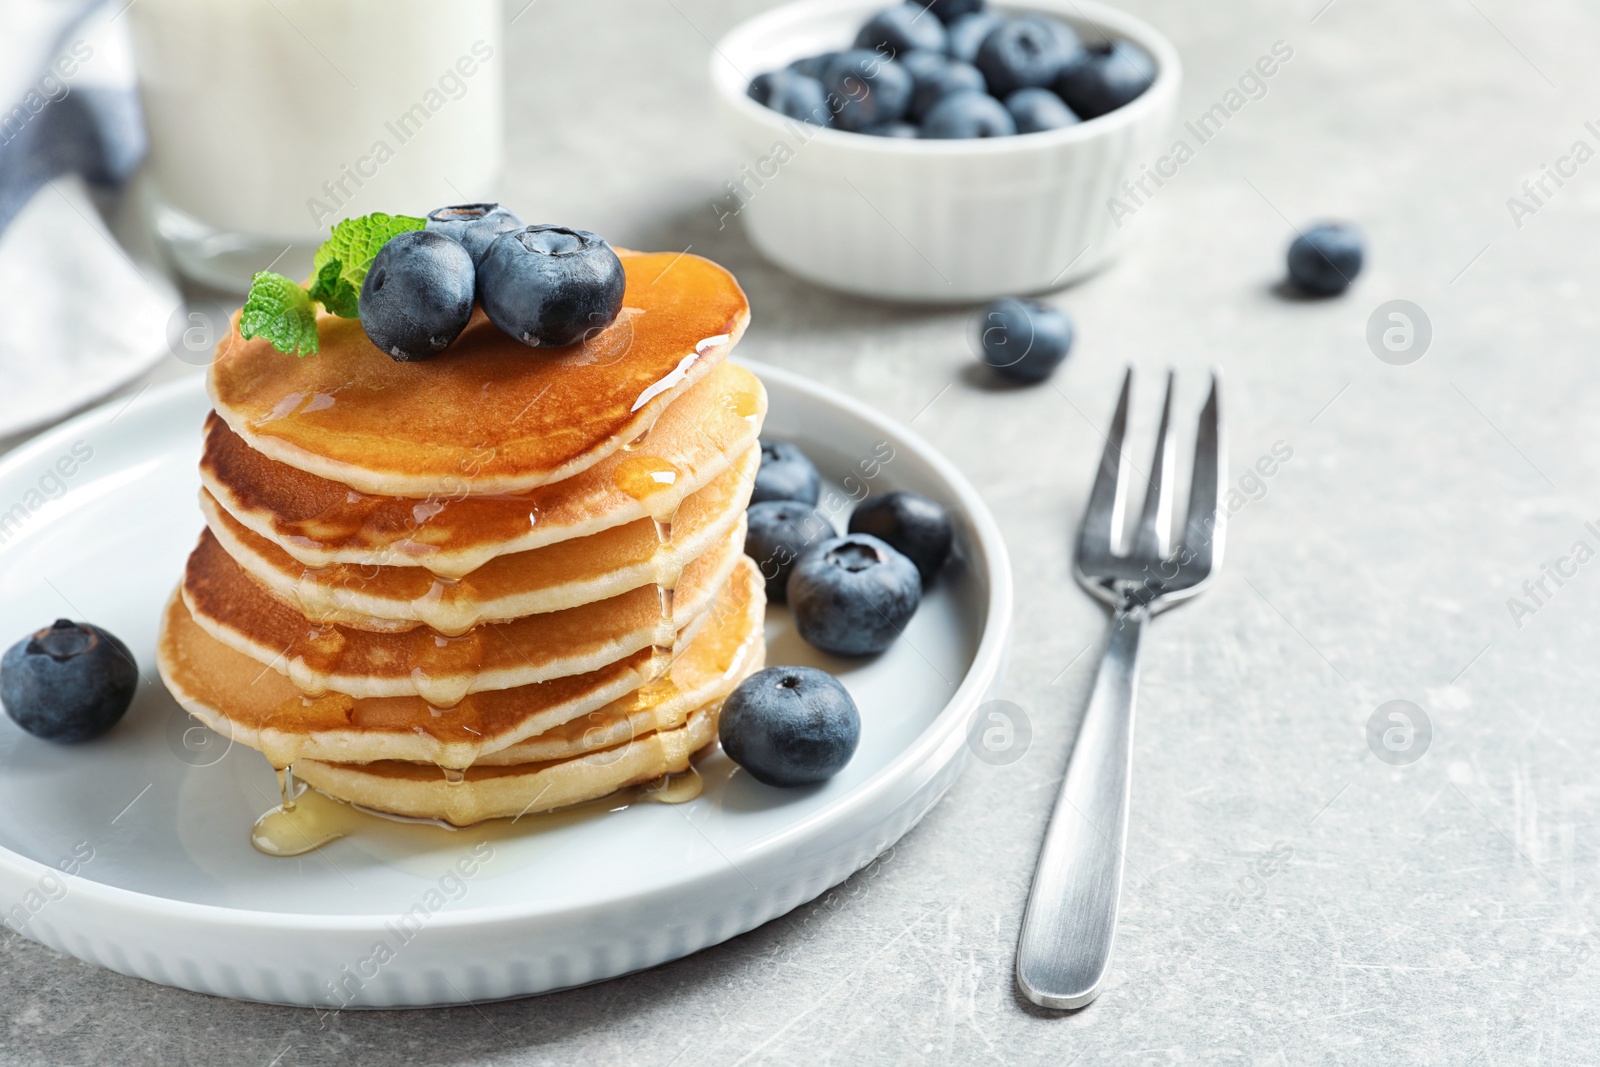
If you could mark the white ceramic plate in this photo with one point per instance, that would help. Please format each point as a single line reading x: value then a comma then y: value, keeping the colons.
x: 132, y: 852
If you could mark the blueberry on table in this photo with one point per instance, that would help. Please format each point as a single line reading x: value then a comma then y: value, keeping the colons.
x: 1326, y: 258
x: 777, y: 533
x: 418, y: 295
x: 791, y: 93
x: 786, y: 473
x: 68, y: 682
x: 549, y: 286
x: 966, y: 34
x: 1101, y: 80
x: 1024, y: 340
x: 1023, y: 53
x: 790, y: 726
x: 867, y: 89
x: 853, y: 595
x: 474, y: 225
x: 951, y: 77
x: 916, y: 527
x: 1036, y: 110
x: 968, y: 114
x: 901, y: 28
x: 951, y: 11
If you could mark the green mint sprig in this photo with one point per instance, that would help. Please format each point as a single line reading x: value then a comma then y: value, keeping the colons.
x: 281, y: 311
x: 284, y: 312
x: 341, y: 264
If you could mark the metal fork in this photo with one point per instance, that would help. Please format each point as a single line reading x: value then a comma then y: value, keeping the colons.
x: 1064, y: 951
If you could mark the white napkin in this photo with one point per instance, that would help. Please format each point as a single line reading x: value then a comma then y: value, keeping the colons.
x: 78, y: 317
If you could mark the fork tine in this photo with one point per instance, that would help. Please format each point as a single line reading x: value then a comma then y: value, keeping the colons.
x: 1155, y: 519
x: 1102, y: 520
x: 1203, y: 528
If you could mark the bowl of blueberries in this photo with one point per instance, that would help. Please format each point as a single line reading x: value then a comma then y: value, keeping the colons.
x: 940, y: 151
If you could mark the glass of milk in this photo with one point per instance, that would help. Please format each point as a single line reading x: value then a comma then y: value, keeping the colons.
x: 270, y: 120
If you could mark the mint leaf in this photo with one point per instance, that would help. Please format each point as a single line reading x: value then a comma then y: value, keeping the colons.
x: 341, y: 264
x: 281, y: 311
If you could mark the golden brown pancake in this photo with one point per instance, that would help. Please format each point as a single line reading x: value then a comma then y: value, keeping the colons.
x: 488, y: 409
x: 321, y: 522
x: 557, y: 719
x: 419, y: 790
x: 232, y: 608
x: 559, y: 576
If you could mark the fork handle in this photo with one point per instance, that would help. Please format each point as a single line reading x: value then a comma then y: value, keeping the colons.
x: 1064, y: 950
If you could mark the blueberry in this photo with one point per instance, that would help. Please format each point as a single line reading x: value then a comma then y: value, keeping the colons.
x: 1025, y: 340
x: 1103, y: 79
x: 914, y: 526
x: 951, y: 78
x: 868, y: 89
x: 790, y: 726
x: 418, y: 295
x: 1325, y: 259
x: 951, y: 11
x: 1022, y: 53
x: 68, y: 682
x: 853, y: 595
x: 810, y: 66
x: 892, y: 129
x: 786, y: 473
x: 778, y: 533
x: 1036, y: 110
x: 474, y: 225
x: 793, y: 94
x: 900, y: 29
x: 922, y: 64
x: 966, y: 34
x: 549, y: 285
x: 968, y: 114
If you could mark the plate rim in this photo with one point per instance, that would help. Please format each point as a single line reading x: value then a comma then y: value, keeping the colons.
x: 988, y: 662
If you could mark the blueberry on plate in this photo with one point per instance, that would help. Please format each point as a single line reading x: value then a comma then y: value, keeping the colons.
x: 778, y: 532
x: 853, y: 595
x: 790, y: 726
x: 68, y: 682
x: 786, y: 473
x: 916, y: 527
x: 791, y: 93
x: 474, y: 225
x: 901, y: 28
x: 951, y: 11
x: 866, y: 89
x: 966, y: 34
x: 811, y: 66
x: 418, y: 295
x: 1022, y: 53
x: 549, y: 286
x: 952, y: 77
x: 1325, y: 259
x: 968, y: 114
x: 1036, y: 110
x: 1103, y: 79
x: 1024, y: 340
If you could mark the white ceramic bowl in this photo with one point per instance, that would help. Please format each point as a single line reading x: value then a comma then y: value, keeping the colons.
x: 931, y: 221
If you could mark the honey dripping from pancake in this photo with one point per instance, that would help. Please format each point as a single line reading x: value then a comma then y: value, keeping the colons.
x: 650, y: 480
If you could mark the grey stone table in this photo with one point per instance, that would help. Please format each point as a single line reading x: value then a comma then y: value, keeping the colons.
x: 1291, y: 898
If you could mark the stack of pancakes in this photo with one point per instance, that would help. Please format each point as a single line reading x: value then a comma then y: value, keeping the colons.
x: 505, y: 580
